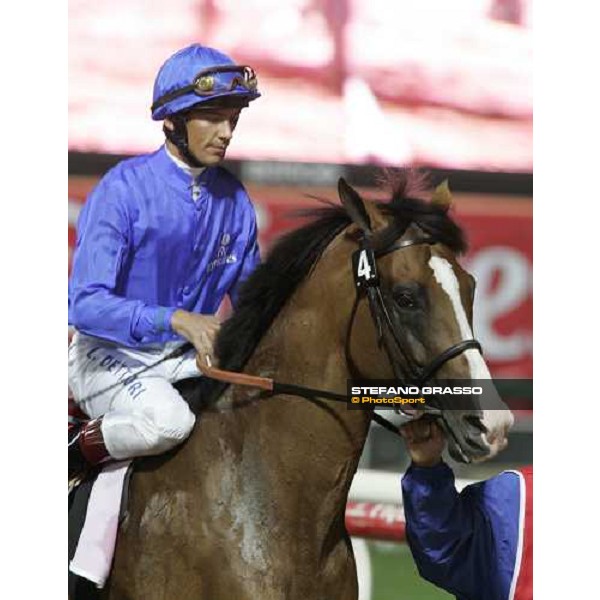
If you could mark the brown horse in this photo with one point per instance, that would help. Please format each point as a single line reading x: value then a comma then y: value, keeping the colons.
x: 252, y: 505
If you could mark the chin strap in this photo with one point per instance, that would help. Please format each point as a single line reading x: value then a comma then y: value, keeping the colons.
x: 178, y: 136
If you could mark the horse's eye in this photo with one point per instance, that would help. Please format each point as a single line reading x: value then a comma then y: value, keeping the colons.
x: 405, y: 300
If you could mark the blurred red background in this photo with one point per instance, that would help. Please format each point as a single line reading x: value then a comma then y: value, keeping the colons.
x: 433, y: 82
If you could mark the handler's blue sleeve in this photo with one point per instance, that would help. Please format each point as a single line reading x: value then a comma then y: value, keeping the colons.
x: 464, y: 543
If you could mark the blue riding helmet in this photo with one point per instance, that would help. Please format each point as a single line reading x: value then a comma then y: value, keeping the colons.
x: 198, y: 74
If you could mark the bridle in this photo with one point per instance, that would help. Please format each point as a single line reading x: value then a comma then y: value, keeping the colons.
x: 368, y: 284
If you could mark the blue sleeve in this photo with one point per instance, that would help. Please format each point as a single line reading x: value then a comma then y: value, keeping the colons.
x: 449, y: 534
x: 101, y: 253
x: 250, y: 260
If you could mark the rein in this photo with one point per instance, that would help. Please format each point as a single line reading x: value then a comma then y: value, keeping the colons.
x: 275, y: 388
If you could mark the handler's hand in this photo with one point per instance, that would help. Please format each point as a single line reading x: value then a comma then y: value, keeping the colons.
x: 425, y: 441
x: 201, y: 330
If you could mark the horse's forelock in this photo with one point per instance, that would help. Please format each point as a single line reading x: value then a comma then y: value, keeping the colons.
x: 409, y: 201
x: 404, y: 183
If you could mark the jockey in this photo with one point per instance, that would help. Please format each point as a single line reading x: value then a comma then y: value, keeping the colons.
x: 476, y: 545
x: 161, y: 240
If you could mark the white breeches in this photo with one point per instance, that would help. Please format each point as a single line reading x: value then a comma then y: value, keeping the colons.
x: 141, y: 417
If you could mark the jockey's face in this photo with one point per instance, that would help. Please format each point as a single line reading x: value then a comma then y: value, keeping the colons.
x: 209, y: 132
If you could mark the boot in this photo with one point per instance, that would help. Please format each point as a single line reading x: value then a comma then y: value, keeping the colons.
x: 86, y: 448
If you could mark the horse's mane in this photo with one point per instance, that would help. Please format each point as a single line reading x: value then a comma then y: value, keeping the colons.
x: 294, y: 255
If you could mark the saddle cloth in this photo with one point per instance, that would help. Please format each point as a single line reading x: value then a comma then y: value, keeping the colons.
x: 94, y: 515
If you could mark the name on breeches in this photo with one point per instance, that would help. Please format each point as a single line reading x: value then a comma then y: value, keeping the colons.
x: 122, y: 372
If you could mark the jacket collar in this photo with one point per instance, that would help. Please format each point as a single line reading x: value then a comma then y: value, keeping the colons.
x: 178, y: 173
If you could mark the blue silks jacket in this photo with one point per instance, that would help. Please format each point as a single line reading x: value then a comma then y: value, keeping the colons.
x: 465, y: 543
x: 145, y: 248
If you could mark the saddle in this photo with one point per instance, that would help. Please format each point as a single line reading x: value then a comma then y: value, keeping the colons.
x: 88, y: 490
x: 79, y: 491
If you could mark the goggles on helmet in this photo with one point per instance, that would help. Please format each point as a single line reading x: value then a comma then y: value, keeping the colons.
x: 215, y: 81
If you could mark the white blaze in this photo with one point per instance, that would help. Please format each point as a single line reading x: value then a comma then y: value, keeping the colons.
x: 445, y: 276
x: 497, y: 422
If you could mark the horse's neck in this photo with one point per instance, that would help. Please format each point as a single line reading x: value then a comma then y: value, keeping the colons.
x: 315, y: 445
x: 300, y: 349
x: 274, y: 473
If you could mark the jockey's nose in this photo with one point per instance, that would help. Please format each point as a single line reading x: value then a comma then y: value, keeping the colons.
x: 225, y: 130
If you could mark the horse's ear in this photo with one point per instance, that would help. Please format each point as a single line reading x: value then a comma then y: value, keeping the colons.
x: 442, y: 196
x: 354, y: 205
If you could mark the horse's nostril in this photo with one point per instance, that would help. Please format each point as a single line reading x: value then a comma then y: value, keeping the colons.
x: 475, y: 443
x: 475, y: 422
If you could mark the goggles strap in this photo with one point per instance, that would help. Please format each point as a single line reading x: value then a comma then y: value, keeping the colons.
x: 242, y: 79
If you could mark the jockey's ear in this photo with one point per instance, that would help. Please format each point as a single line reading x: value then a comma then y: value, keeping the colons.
x: 354, y: 205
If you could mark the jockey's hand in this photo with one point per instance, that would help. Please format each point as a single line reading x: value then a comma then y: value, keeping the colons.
x: 200, y: 330
x: 425, y: 441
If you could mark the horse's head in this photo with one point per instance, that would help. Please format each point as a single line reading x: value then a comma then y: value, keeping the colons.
x: 414, y: 322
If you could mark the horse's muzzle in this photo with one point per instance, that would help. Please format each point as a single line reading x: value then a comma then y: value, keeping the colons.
x: 466, y: 435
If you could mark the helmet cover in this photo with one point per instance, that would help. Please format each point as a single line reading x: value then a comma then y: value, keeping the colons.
x: 198, y: 74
